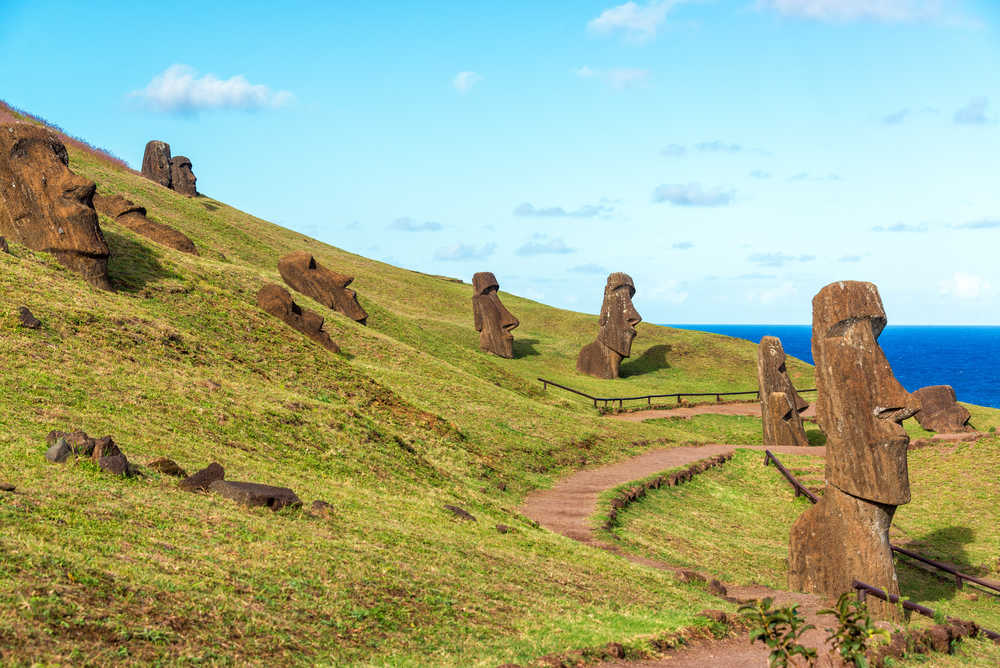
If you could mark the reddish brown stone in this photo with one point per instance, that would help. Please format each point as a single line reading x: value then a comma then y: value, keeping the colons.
x: 115, y: 465
x: 45, y: 206
x: 129, y: 215
x: 618, y: 319
x: 253, y: 494
x: 156, y: 163
x: 181, y: 177
x: 780, y: 404
x: 4, y: 248
x: 28, y: 319
x: 167, y: 467
x: 277, y: 301
x: 940, y: 411
x: 105, y: 447
x: 201, y: 480
x: 493, y: 321
x: 301, y: 271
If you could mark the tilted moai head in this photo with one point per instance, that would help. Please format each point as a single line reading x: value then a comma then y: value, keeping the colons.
x: 618, y: 319
x: 860, y: 404
x: 493, y: 321
x: 780, y: 402
x: 940, y: 410
x: 181, y: 177
x: 45, y: 206
x: 301, y: 271
x: 156, y: 163
x: 277, y: 301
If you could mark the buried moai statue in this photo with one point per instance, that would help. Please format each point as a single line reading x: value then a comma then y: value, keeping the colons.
x: 174, y: 173
x: 129, y: 215
x: 860, y: 407
x: 780, y: 404
x: 277, y: 301
x: 618, y: 319
x: 493, y: 321
x: 182, y: 179
x: 301, y: 271
x: 45, y: 206
x: 940, y: 411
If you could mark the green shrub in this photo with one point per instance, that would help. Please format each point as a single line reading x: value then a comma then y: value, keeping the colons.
x: 855, y: 629
x: 780, y: 629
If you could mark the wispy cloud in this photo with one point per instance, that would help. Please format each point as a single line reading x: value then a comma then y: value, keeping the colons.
x: 896, y: 117
x: 637, y: 22
x: 408, y: 224
x: 673, y: 150
x: 692, y: 194
x: 806, y: 176
x: 603, y: 210
x: 616, y: 77
x: 589, y: 268
x: 977, y: 225
x: 541, y: 245
x: 849, y: 258
x: 964, y: 286
x: 778, y: 259
x: 760, y: 174
x: 974, y: 113
x: 179, y: 89
x: 900, y: 227
x: 842, y: 11
x: 465, y: 252
x: 683, y: 245
x: 463, y: 81
x: 718, y: 146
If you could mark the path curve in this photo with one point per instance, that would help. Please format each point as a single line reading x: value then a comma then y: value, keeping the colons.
x: 567, y: 507
x: 750, y: 409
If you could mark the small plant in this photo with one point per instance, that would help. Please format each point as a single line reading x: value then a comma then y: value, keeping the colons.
x: 780, y: 629
x: 854, y: 631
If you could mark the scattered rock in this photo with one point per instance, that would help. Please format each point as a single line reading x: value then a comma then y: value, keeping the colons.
x: 167, y: 467
x: 78, y: 441
x: 28, y: 319
x: 301, y: 272
x: 200, y: 481
x: 115, y: 464
x: 618, y: 319
x: 127, y: 214
x: 940, y: 411
x: 460, y: 513
x: 493, y: 321
x: 45, y: 206
x: 277, y: 301
x: 181, y: 176
x: 6, y: 487
x: 503, y: 528
x: 4, y: 248
x: 59, y: 452
x: 105, y: 447
x: 254, y: 494
x: 156, y: 163
x: 716, y: 588
x: 321, y: 508
x: 780, y: 403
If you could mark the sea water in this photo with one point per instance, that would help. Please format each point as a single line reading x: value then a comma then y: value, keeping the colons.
x: 967, y: 358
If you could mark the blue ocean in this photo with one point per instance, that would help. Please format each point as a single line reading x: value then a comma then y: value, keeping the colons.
x: 967, y: 358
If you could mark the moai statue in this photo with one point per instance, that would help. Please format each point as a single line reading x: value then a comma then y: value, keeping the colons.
x: 181, y: 177
x: 493, y: 321
x: 860, y: 407
x: 940, y: 411
x: 156, y: 163
x: 132, y: 216
x: 301, y: 271
x: 780, y: 404
x: 618, y: 319
x: 45, y: 206
x: 277, y: 301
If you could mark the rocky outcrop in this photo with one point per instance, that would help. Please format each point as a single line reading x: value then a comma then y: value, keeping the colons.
x: 253, y: 494
x: 132, y: 216
x: 492, y: 319
x: 28, y: 319
x: 45, y: 206
x: 780, y: 403
x: 181, y: 176
x: 940, y: 411
x: 617, y: 321
x: 200, y: 481
x: 103, y: 451
x: 277, y: 301
x: 156, y: 163
x: 301, y: 272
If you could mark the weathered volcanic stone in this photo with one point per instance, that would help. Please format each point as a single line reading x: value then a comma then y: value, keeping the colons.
x: 321, y: 508
x: 28, y: 319
x: 78, y: 441
x: 181, y: 177
x: 780, y: 404
x: 255, y: 494
x: 129, y: 215
x: 301, y: 271
x: 277, y: 301
x: 4, y: 248
x: 115, y: 464
x: 45, y: 206
x: 167, y: 467
x: 493, y: 321
x: 59, y: 452
x: 460, y: 513
x: 940, y: 411
x: 618, y: 319
x: 200, y: 481
x: 860, y: 407
x: 156, y: 163
x: 105, y: 447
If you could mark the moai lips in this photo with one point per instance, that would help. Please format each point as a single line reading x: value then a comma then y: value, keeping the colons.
x: 45, y: 206
x: 779, y: 402
x: 493, y: 321
x: 301, y: 271
x: 618, y: 319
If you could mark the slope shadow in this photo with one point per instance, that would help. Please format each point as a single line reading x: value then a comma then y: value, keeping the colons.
x: 131, y: 264
x: 653, y: 359
x: 524, y: 348
x: 948, y: 542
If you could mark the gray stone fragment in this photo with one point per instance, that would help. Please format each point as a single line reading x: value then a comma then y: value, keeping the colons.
x: 59, y: 452
x: 115, y: 464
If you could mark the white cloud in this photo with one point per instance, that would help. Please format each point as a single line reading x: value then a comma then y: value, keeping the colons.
x: 782, y: 292
x: 463, y: 81
x: 616, y: 77
x: 603, y: 210
x: 179, y: 89
x: 691, y: 194
x: 669, y: 290
x: 973, y: 113
x: 408, y: 224
x: 854, y: 10
x: 964, y: 286
x: 542, y: 246
x: 459, y: 252
x: 637, y: 22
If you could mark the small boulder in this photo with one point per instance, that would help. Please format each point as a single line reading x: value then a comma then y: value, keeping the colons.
x: 321, y: 508
x: 167, y: 467
x: 503, y: 528
x: 4, y: 248
x: 78, y: 441
x: 28, y: 319
x: 59, y: 452
x: 253, y: 494
x: 6, y: 487
x: 200, y: 481
x: 115, y: 464
x: 460, y: 513
x: 105, y: 447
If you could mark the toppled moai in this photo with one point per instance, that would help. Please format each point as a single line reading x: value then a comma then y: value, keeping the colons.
x: 132, y: 216
x: 170, y: 172
x: 940, y: 411
x: 618, y: 319
x: 493, y: 321
x: 277, y: 301
x: 860, y: 407
x: 45, y: 206
x: 301, y: 271
x: 780, y: 403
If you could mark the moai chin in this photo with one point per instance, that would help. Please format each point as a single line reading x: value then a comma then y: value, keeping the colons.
x: 618, y: 319
x: 860, y: 407
x: 45, y: 206
x: 493, y: 321
x: 780, y: 404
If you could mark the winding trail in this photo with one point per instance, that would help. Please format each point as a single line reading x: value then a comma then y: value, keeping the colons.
x: 748, y: 408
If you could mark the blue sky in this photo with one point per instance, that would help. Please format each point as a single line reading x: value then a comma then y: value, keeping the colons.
x: 733, y: 156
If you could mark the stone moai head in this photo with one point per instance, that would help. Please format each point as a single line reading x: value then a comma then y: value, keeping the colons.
x: 45, y: 206
x: 301, y: 271
x: 779, y: 400
x: 860, y: 404
x: 156, y: 163
x: 181, y: 176
x: 493, y: 321
x: 773, y: 373
x: 618, y: 316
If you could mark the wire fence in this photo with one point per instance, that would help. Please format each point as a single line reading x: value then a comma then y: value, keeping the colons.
x: 607, y: 401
